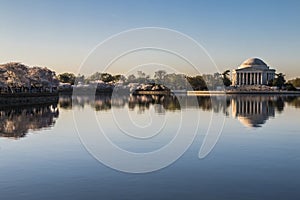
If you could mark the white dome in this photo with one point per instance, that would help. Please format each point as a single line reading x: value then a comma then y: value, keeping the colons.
x: 254, y: 62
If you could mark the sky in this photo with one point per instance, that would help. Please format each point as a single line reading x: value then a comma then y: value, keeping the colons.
x: 61, y: 34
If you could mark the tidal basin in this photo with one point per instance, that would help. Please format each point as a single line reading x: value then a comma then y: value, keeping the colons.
x: 256, y: 155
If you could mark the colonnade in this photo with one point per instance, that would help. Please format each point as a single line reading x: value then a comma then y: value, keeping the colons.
x: 249, y: 78
x: 249, y: 107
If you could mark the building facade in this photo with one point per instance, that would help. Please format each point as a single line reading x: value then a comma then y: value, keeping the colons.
x: 253, y: 71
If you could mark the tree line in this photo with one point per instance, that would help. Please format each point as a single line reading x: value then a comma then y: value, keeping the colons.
x: 175, y: 81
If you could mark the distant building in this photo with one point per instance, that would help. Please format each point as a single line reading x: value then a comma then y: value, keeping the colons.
x: 253, y: 71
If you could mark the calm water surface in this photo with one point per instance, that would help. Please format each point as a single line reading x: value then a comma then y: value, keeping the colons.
x: 257, y: 155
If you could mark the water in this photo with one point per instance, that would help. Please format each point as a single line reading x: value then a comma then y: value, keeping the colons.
x: 256, y: 156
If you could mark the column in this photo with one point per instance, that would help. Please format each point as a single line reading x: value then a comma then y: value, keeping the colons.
x: 243, y: 78
x: 260, y: 108
x: 257, y: 79
x: 241, y: 107
x: 261, y: 78
x: 250, y: 76
x: 237, y: 78
x: 240, y: 78
x: 246, y: 78
x: 248, y: 106
x: 243, y: 104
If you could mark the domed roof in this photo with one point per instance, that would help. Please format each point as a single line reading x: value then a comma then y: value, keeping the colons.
x: 254, y: 62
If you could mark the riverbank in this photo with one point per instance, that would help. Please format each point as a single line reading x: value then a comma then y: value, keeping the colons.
x: 199, y: 93
x: 22, y: 99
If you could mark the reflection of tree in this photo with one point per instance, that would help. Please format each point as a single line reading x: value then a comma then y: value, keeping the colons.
x: 214, y: 103
x: 65, y: 102
x: 102, y: 102
x: 162, y: 103
x: 141, y: 101
x: 170, y: 103
x: 293, y: 101
x: 15, y: 122
x: 278, y: 104
x: 144, y: 102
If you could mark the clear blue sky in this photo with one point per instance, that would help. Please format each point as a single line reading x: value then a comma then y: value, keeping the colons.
x: 60, y: 34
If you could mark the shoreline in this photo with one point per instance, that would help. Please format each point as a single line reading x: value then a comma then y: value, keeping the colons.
x: 211, y: 93
x: 199, y: 93
x: 25, y: 99
x: 27, y: 94
x: 140, y: 92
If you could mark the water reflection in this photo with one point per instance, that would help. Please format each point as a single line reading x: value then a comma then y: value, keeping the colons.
x: 250, y: 110
x: 253, y: 111
x: 15, y: 122
x: 141, y: 103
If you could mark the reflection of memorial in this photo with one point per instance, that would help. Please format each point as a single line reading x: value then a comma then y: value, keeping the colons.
x: 15, y: 122
x: 253, y: 111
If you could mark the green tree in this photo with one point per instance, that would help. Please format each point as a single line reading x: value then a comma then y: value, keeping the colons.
x: 131, y: 78
x: 106, y: 77
x: 175, y: 81
x: 160, y: 74
x: 295, y: 82
x: 67, y: 78
x: 80, y: 79
x: 119, y: 77
x: 213, y: 81
x: 290, y: 87
x: 279, y: 81
x: 197, y: 82
x: 141, y: 74
x: 95, y: 76
x: 142, y: 77
x: 225, y: 78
